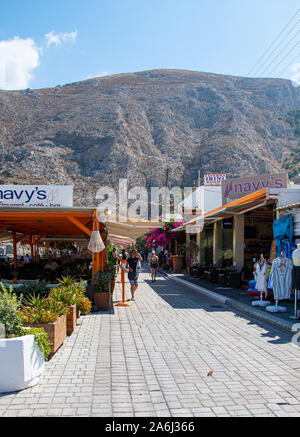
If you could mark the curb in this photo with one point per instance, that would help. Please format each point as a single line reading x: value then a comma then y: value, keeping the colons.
x: 253, y: 312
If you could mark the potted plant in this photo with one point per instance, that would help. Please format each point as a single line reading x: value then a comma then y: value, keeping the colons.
x: 102, y: 296
x: 66, y: 295
x: 46, y: 313
x: 22, y: 351
x: 83, y: 305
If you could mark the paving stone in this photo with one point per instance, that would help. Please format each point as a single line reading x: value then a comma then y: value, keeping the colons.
x: 152, y: 359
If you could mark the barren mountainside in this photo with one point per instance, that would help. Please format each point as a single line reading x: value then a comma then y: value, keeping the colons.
x: 93, y: 132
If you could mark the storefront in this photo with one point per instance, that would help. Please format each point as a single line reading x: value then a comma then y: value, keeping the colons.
x: 36, y: 225
x: 237, y: 233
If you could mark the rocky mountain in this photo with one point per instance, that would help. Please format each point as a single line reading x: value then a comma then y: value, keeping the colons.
x: 93, y: 132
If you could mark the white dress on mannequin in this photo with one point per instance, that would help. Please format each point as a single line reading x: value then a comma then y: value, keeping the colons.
x: 261, y: 276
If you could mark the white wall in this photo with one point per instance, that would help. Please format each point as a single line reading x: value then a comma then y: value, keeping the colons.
x: 286, y: 196
x: 204, y: 199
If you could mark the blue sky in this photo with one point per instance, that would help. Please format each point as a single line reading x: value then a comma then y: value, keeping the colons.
x: 44, y: 43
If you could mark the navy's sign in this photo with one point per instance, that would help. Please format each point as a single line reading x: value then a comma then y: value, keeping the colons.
x: 235, y: 188
x: 36, y: 196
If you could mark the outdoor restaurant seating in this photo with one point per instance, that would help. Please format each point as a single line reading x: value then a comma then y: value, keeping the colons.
x: 220, y: 275
x: 235, y: 279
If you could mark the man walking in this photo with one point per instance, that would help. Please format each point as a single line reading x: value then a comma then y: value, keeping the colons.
x: 132, y: 263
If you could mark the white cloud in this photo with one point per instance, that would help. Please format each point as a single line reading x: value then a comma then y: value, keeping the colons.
x: 93, y: 75
x: 58, y: 38
x: 296, y: 74
x: 18, y: 59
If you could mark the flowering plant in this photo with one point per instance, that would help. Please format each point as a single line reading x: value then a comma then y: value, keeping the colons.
x: 84, y: 305
x: 36, y: 309
x: 33, y: 316
x: 162, y: 236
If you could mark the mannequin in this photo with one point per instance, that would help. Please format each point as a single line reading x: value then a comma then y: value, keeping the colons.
x: 296, y: 278
x: 261, y: 281
x: 281, y: 281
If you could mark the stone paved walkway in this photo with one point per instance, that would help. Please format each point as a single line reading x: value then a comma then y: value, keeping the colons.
x: 153, y: 359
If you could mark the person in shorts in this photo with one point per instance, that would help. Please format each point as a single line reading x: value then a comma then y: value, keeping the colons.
x: 153, y: 264
x: 131, y: 264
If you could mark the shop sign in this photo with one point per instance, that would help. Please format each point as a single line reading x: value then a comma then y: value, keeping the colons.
x: 36, y: 196
x: 235, y: 188
x: 214, y: 179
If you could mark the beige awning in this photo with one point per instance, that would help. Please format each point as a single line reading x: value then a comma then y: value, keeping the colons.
x: 129, y: 230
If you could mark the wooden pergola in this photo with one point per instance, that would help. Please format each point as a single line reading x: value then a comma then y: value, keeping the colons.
x: 35, y: 224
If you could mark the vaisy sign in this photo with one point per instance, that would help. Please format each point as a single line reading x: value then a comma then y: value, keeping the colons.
x: 36, y: 196
x: 214, y: 179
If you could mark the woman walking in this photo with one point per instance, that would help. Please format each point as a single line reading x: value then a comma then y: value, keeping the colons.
x: 153, y: 264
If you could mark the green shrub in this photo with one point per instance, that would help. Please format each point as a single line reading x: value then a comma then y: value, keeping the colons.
x: 41, y: 339
x: 40, y: 288
x: 102, y: 281
x: 67, y: 280
x: 64, y: 294
x: 84, y: 305
x: 9, y: 311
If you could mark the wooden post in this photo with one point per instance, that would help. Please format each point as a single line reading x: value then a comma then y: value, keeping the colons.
x: 32, y: 248
x: 123, y: 303
x: 15, y: 249
x: 187, y: 252
x: 93, y: 266
x: 98, y: 261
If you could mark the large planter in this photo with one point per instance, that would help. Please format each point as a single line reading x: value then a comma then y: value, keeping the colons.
x: 21, y: 363
x: 56, y: 331
x: 102, y: 301
x: 177, y: 263
x: 71, y: 319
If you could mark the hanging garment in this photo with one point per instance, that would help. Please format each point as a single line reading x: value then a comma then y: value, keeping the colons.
x: 288, y: 249
x: 283, y: 232
x: 261, y: 276
x: 296, y: 277
x: 281, y: 281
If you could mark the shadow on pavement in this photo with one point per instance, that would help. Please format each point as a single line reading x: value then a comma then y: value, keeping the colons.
x: 181, y: 297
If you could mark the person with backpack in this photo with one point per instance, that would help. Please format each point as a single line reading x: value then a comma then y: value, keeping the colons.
x: 153, y: 264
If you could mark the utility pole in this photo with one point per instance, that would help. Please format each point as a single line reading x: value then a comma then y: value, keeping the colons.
x: 166, y: 192
x: 167, y: 177
x: 199, y: 172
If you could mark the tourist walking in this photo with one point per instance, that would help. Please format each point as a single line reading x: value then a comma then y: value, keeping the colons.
x: 153, y: 264
x: 166, y: 259
x: 132, y: 263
